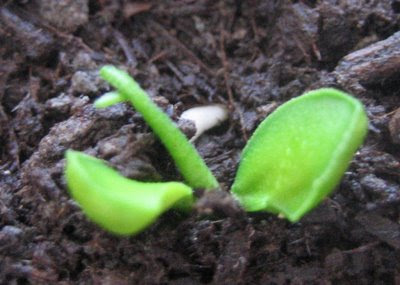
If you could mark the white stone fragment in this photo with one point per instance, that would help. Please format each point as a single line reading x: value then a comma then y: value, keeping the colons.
x: 205, y: 117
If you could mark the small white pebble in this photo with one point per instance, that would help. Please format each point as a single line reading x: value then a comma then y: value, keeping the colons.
x: 205, y: 117
x: 281, y: 216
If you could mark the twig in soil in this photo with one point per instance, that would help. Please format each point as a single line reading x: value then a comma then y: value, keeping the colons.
x: 173, y: 40
x: 34, y: 85
x: 303, y: 50
x: 387, y: 114
x: 131, y: 59
x: 131, y: 9
x: 225, y: 66
x: 316, y: 51
x: 175, y: 70
x: 182, y: 8
x: 158, y: 56
x: 362, y: 248
x: 253, y: 23
x: 12, y: 143
x: 13, y: 147
x: 69, y: 38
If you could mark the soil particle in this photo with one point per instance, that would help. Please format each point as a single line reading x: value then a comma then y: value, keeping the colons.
x: 44, y: 164
x: 126, y: 151
x: 358, y: 262
x: 187, y: 127
x: 66, y: 15
x: 234, y: 259
x: 384, y: 191
x: 83, y: 61
x: 9, y: 237
x: 338, y: 33
x: 27, y: 125
x: 369, y: 66
x: 87, y: 82
x: 59, y: 106
x: 218, y: 203
x: 257, y: 88
x: 264, y: 110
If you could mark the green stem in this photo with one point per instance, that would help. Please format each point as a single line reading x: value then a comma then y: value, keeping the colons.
x: 188, y: 161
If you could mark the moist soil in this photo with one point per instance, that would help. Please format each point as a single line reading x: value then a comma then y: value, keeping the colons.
x: 248, y: 55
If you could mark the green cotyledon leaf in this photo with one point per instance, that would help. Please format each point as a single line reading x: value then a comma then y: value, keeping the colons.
x: 120, y: 205
x: 299, y: 153
x: 187, y: 159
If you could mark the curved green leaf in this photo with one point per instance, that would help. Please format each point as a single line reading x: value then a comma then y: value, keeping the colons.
x: 299, y: 153
x: 190, y: 164
x: 118, y: 204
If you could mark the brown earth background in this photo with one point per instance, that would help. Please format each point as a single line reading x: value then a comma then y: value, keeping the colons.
x: 249, y: 55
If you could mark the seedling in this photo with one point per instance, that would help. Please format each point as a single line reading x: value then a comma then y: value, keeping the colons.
x: 294, y: 159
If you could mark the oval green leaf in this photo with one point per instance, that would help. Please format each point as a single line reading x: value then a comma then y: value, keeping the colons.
x: 120, y: 205
x: 299, y: 153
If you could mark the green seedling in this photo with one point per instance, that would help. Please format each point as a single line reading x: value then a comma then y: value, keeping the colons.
x: 294, y: 159
x: 298, y: 154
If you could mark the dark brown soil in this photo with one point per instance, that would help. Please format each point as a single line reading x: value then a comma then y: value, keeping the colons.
x: 250, y: 55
